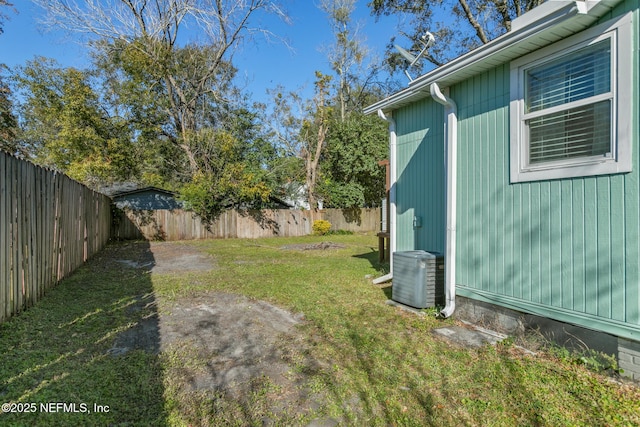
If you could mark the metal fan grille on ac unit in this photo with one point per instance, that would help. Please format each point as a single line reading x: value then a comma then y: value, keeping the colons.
x: 418, y: 278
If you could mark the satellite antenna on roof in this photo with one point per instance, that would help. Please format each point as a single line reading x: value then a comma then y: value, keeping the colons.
x: 427, y: 41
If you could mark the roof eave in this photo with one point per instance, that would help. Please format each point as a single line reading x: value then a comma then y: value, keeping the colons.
x: 502, y: 49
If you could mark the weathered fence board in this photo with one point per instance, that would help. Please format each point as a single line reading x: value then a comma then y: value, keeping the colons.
x: 49, y: 226
x: 183, y: 225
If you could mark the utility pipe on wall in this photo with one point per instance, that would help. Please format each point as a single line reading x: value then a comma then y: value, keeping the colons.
x: 451, y: 153
x: 392, y: 195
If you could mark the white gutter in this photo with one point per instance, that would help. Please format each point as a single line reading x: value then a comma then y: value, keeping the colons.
x: 451, y: 154
x: 392, y: 195
x: 550, y: 23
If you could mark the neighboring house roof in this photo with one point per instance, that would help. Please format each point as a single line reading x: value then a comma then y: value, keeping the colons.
x: 118, y: 187
x: 147, y: 198
x: 543, y: 25
x: 143, y: 190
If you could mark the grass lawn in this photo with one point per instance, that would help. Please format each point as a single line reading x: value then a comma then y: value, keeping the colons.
x: 367, y: 363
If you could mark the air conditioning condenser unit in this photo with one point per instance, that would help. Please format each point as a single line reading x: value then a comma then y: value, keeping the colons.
x: 418, y: 278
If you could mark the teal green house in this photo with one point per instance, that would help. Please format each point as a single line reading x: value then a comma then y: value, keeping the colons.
x: 520, y: 162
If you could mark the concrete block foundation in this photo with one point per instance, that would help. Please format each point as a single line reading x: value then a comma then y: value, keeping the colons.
x: 576, y: 338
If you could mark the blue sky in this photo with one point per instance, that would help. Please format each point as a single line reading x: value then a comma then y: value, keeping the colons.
x: 261, y: 66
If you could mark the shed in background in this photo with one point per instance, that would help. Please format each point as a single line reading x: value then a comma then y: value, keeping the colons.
x: 147, y: 198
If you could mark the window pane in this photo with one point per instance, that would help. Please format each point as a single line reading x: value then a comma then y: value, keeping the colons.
x: 581, y: 74
x: 577, y: 132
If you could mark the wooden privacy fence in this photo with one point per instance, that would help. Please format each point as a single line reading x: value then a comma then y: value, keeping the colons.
x: 49, y: 225
x: 184, y: 225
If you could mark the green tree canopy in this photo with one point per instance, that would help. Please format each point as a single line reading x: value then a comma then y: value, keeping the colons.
x: 64, y: 125
x: 229, y: 175
x: 167, y: 94
x: 8, y: 121
x: 179, y: 84
x: 350, y: 170
x: 338, y: 148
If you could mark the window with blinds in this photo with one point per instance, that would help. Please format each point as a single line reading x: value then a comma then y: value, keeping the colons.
x: 571, y: 105
x: 568, y: 105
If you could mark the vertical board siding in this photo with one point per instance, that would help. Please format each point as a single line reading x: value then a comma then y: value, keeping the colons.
x: 177, y: 224
x: 420, y: 186
x: 618, y: 276
x: 481, y: 120
x: 569, y: 244
x: 630, y: 306
x: 49, y: 226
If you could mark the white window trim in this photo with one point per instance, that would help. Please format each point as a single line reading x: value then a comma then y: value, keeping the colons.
x: 620, y: 30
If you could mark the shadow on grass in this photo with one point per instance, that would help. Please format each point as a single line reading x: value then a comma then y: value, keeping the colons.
x: 391, y: 370
x: 395, y: 376
x: 382, y: 267
x: 374, y: 259
x: 378, y: 384
x: 68, y: 356
x: 387, y: 290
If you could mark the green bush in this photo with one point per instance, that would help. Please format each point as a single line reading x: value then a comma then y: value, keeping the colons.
x: 321, y: 227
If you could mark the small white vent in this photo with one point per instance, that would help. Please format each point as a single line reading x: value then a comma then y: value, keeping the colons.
x: 418, y: 278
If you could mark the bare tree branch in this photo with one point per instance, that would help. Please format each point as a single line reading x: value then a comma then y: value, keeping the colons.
x: 474, y: 23
x: 3, y: 17
x: 503, y: 10
x: 189, y: 73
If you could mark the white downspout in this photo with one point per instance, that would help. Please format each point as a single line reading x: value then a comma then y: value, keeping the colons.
x: 392, y: 195
x: 451, y: 153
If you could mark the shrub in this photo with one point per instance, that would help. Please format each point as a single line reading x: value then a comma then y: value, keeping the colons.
x: 321, y: 227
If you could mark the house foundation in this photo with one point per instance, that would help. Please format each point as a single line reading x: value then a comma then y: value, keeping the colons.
x: 575, y: 338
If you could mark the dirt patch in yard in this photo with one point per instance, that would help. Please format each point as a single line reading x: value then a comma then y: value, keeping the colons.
x: 165, y: 257
x: 221, y: 344
x: 238, y: 339
x: 313, y: 246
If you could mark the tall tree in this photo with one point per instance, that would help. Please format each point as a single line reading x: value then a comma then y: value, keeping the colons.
x: 314, y: 134
x: 229, y: 175
x: 8, y: 121
x: 147, y: 33
x: 171, y: 96
x: 458, y: 25
x: 339, y: 148
x: 66, y: 127
x: 355, y: 143
x: 300, y: 128
x: 351, y: 176
x: 347, y: 52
